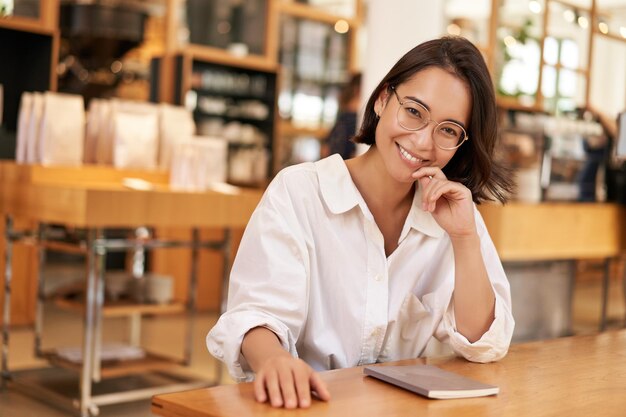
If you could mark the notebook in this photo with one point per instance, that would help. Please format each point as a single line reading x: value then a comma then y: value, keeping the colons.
x: 430, y: 381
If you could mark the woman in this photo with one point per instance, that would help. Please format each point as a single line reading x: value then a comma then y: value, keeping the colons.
x: 362, y: 261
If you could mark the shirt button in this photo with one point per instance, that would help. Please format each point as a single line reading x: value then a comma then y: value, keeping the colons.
x: 375, y: 332
x: 378, y: 277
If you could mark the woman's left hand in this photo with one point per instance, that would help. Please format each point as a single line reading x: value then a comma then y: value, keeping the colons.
x: 449, y: 202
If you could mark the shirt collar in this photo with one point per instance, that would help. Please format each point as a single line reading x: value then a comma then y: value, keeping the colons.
x: 338, y: 189
x: 420, y: 220
x: 341, y: 195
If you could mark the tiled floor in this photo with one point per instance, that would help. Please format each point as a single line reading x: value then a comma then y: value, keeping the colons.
x: 164, y: 334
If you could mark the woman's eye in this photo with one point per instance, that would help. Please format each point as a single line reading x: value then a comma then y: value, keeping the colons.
x: 414, y: 112
x: 448, y: 131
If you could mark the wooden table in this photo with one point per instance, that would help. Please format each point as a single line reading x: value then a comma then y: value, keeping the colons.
x: 576, y: 377
x: 94, y: 199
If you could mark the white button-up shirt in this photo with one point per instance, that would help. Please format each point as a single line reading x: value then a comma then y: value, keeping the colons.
x: 312, y: 268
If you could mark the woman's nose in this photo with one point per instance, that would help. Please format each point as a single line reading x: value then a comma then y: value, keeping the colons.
x: 424, y: 139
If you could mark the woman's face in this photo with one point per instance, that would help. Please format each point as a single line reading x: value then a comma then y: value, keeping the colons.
x: 445, y: 96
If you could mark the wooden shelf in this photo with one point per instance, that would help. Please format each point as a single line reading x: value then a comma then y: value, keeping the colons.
x: 288, y: 129
x: 117, y: 368
x: 510, y: 103
x: 122, y: 308
x: 308, y: 12
x: 222, y: 57
x: 25, y: 25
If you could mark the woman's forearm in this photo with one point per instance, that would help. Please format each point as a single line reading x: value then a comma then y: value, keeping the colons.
x: 260, y: 344
x: 474, y: 299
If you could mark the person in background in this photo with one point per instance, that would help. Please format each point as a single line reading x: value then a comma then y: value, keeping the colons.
x: 346, y: 263
x: 339, y: 139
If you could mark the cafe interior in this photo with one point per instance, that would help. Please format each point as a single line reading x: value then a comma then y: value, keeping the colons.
x: 137, y: 137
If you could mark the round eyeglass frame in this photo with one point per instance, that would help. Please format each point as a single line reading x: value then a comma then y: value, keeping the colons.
x: 428, y: 121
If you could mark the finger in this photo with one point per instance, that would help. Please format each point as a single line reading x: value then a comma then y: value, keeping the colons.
x: 448, y: 190
x: 427, y: 191
x: 424, y: 182
x: 273, y: 389
x: 303, y: 388
x: 434, y: 172
x: 259, y: 388
x: 287, y: 388
x: 319, y: 387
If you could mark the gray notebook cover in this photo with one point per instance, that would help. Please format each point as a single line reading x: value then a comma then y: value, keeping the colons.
x: 430, y: 381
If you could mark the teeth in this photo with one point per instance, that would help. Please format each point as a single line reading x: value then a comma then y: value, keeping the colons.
x: 407, y: 155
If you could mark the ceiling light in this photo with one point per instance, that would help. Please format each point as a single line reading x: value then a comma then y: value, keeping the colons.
x: 534, y: 6
x: 569, y: 15
x: 583, y: 22
x: 341, y: 26
x: 454, y: 29
x: 604, y: 28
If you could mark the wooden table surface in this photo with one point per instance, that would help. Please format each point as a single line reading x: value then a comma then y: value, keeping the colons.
x: 579, y: 376
x: 94, y: 196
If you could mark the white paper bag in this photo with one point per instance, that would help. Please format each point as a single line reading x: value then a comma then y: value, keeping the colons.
x: 175, y: 125
x: 92, y: 132
x: 104, y: 141
x: 135, y: 142
x: 34, y: 126
x: 23, y: 123
x: 199, y: 163
x: 62, y: 133
x: 129, y: 138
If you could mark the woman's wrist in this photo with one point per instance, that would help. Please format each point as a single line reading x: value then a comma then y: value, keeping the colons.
x: 260, y: 344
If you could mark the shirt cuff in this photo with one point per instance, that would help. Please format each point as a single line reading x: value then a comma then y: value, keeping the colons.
x: 225, y: 339
x: 493, y: 344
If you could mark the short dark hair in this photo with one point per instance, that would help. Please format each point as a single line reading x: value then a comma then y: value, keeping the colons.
x: 472, y: 164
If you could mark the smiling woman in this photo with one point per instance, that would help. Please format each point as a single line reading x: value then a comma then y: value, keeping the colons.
x: 346, y: 263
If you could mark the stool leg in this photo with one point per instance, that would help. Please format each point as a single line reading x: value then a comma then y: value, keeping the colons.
x: 605, y: 292
x: 6, y: 317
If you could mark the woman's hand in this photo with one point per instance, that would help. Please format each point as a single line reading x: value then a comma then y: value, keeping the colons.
x: 287, y: 382
x: 449, y: 202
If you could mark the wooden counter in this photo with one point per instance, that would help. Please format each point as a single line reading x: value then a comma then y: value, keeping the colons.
x: 554, y: 231
x: 92, y: 196
x: 575, y: 377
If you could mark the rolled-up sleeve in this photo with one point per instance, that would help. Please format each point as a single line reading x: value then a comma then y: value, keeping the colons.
x: 268, y: 282
x: 494, y: 343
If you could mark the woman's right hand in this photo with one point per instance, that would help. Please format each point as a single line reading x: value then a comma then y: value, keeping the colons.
x: 287, y: 382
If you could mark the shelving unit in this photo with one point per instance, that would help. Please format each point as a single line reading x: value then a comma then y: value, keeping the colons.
x: 117, y: 368
x: 229, y: 95
x: 92, y: 198
x: 122, y: 308
x: 181, y: 59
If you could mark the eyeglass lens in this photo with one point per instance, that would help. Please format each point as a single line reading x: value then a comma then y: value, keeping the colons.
x: 414, y: 116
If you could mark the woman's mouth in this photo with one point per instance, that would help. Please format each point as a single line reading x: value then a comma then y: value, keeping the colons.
x: 406, y: 155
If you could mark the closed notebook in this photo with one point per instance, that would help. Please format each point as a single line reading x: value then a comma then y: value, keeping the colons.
x: 430, y: 381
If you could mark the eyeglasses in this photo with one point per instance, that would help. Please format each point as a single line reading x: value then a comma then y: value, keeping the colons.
x: 414, y: 116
